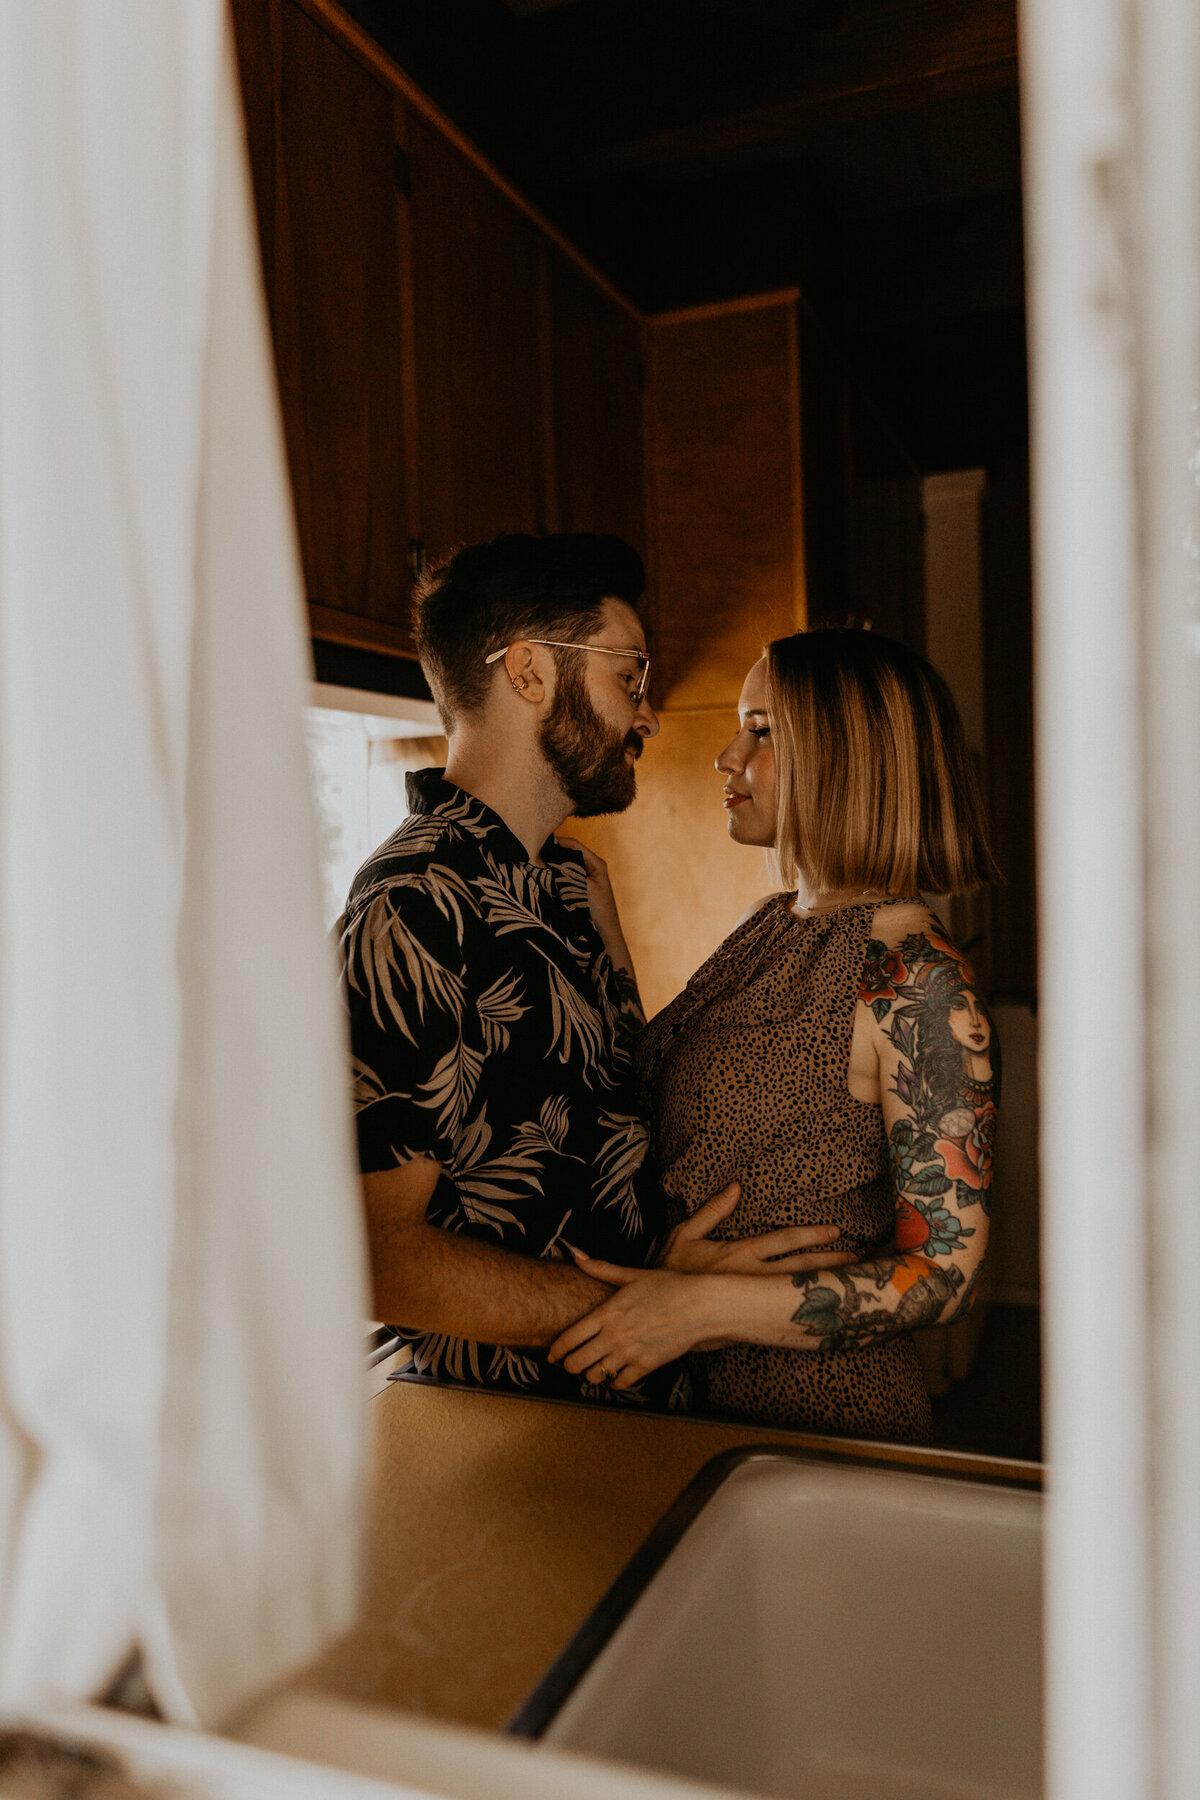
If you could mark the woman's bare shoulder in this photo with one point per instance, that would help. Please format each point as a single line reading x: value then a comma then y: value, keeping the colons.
x: 758, y: 906
x: 895, y: 920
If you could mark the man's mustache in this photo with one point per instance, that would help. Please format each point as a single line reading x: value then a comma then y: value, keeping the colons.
x: 635, y: 742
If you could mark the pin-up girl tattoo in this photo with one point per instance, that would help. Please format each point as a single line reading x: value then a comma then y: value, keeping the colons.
x: 941, y: 1090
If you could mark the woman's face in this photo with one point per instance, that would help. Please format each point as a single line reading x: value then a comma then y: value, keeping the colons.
x: 748, y: 765
x: 968, y: 1024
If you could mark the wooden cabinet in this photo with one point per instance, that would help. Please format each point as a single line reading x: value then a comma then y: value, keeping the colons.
x: 596, y: 378
x: 863, y: 524
x: 447, y: 370
x: 323, y: 133
x: 481, y: 448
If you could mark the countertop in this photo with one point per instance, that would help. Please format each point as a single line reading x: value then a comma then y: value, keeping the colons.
x: 497, y: 1523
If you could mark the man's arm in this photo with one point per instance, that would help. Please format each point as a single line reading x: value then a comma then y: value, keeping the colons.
x: 429, y: 1279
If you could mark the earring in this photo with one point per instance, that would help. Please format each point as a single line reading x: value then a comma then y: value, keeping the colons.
x: 518, y: 687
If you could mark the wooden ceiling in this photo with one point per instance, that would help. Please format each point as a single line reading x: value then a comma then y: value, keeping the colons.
x: 865, y: 150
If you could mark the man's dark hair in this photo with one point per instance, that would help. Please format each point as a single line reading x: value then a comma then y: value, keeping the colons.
x: 490, y: 594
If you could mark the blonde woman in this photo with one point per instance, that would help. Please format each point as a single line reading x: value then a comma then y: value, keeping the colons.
x: 833, y: 1057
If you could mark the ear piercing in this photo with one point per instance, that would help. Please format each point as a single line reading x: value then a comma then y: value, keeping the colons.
x: 518, y: 687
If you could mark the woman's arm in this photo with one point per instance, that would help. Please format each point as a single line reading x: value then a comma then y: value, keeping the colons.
x: 939, y: 1082
x: 937, y: 1052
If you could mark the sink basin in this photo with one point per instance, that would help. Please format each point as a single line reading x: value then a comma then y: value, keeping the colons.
x: 819, y: 1629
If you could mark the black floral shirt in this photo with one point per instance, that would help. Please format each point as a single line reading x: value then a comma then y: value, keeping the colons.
x: 491, y: 1032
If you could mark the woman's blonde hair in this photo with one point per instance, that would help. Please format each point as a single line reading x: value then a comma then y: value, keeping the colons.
x: 873, y: 781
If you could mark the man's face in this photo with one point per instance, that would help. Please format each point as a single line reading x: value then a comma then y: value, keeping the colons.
x: 594, y: 732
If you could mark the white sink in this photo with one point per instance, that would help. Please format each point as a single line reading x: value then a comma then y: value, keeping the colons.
x: 819, y: 1630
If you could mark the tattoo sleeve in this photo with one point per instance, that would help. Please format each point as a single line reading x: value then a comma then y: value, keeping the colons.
x: 940, y: 1063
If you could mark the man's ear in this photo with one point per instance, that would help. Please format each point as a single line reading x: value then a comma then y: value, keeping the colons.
x: 524, y: 667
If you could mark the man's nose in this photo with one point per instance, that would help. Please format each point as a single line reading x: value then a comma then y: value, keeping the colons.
x: 645, y: 720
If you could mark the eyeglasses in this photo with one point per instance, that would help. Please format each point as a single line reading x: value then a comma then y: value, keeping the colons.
x: 637, y: 692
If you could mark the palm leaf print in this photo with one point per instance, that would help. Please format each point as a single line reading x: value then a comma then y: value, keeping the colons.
x: 523, y: 1370
x: 499, y: 1007
x: 552, y: 1250
x: 573, y: 1020
x: 484, y: 1182
x: 419, y: 835
x: 547, y: 1133
x: 417, y: 838
x: 387, y: 952
x: 622, y: 1156
x: 366, y: 1087
x: 465, y: 814
x: 438, y: 1354
x: 448, y: 891
x: 488, y: 1212
x: 451, y: 1087
x: 505, y: 910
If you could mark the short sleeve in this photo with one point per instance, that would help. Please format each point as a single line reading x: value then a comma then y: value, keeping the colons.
x: 403, y: 983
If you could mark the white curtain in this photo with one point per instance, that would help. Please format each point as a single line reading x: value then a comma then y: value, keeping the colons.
x: 181, y: 1275
x: 1112, y: 140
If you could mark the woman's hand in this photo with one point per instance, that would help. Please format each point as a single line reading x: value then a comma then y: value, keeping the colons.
x: 793, y: 1249
x: 654, y: 1317
x: 603, y: 904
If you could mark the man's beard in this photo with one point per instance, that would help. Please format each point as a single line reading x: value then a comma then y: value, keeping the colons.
x: 587, y: 756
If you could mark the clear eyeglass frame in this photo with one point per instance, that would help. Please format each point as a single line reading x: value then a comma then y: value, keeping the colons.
x: 637, y: 693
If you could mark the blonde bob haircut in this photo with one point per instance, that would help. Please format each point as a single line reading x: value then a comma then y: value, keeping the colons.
x: 873, y: 783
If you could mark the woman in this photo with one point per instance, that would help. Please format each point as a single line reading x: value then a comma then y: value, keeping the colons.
x: 833, y: 1057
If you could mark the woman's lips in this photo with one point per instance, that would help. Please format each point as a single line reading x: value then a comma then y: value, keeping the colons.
x: 731, y: 799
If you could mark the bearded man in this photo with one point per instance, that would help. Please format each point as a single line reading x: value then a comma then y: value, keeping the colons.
x: 492, y: 999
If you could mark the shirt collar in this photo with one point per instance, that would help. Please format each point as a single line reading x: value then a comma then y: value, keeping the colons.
x: 430, y: 793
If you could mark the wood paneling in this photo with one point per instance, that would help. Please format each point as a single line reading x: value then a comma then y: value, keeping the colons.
x: 481, y: 450
x: 721, y: 444
x: 596, y: 376
x: 336, y: 306
x: 256, y: 36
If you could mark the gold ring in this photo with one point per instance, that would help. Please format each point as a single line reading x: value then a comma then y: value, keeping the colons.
x: 605, y: 1373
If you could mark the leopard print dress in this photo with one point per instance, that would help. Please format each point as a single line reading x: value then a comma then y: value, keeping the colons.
x: 745, y: 1075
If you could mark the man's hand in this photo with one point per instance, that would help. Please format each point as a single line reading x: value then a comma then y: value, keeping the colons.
x: 793, y: 1249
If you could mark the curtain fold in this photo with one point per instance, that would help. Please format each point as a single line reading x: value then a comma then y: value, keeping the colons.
x: 1112, y: 156
x: 181, y: 1271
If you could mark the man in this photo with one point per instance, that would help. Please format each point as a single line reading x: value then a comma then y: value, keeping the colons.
x: 492, y: 1015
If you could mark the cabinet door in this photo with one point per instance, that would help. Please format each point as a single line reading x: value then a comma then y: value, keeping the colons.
x: 597, y: 378
x: 481, y: 426
x: 863, y: 531
x: 722, y: 445
x: 334, y: 241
